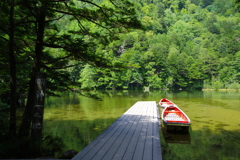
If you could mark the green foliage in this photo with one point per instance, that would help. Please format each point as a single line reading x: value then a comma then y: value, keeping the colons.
x: 87, y: 76
x: 216, y: 85
x: 186, y: 44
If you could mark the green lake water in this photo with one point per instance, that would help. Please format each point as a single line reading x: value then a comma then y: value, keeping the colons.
x: 215, y: 124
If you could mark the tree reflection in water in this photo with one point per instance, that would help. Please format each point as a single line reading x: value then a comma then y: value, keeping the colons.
x: 204, y: 144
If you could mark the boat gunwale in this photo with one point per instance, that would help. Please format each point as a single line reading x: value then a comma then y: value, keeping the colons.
x: 165, y: 103
x: 174, y: 122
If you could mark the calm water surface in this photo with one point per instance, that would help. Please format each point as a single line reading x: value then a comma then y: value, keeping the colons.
x: 214, y: 134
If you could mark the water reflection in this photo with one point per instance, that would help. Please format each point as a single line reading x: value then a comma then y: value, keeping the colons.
x: 205, y: 144
x: 176, y: 134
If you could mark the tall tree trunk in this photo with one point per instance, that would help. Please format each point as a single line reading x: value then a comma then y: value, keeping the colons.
x: 27, y: 116
x: 12, y: 129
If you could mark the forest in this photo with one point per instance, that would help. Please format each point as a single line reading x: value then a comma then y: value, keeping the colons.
x: 187, y: 45
x: 104, y: 44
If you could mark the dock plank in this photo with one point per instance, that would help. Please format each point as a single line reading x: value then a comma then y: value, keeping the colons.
x: 134, y: 136
x: 123, y: 137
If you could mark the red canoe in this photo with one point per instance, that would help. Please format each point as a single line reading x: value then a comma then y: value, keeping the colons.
x: 166, y: 103
x: 175, y: 116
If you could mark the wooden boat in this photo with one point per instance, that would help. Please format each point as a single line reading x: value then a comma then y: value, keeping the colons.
x: 166, y: 103
x: 174, y: 116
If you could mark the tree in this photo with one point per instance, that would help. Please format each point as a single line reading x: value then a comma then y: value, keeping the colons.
x: 87, y: 78
x: 43, y: 20
x: 7, y: 34
x: 12, y: 129
x: 237, y: 2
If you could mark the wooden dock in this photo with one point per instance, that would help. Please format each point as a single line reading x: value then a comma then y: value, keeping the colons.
x: 134, y: 136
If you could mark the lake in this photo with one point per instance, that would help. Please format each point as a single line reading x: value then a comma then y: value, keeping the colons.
x: 74, y: 121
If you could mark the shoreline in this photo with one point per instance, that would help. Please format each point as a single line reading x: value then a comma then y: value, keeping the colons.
x: 222, y: 90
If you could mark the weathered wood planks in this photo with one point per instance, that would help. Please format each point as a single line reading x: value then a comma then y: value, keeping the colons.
x: 134, y: 136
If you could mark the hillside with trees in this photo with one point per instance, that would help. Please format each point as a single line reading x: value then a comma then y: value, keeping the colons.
x: 187, y: 45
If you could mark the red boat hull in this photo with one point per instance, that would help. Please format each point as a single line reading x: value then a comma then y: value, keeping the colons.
x: 166, y: 103
x: 175, y: 116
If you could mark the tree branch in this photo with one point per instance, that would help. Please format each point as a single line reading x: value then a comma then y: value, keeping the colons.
x: 52, y: 68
